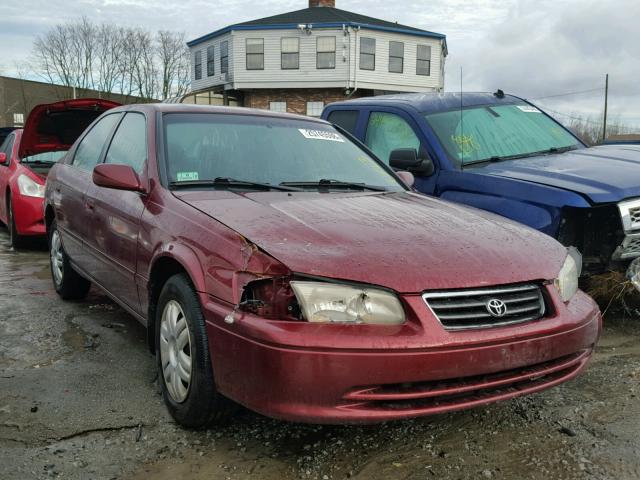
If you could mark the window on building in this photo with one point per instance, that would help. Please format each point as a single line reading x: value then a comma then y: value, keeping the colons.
x: 290, y: 56
x: 314, y: 109
x: 326, y: 52
x: 224, y: 57
x: 198, y: 62
x: 347, y: 119
x: 255, y: 53
x: 210, y: 61
x: 367, y: 53
x: 396, y: 57
x: 278, y: 107
x: 423, y: 65
x: 18, y: 119
x: 387, y: 132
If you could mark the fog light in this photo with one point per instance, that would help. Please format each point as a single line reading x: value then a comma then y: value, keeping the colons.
x: 633, y: 273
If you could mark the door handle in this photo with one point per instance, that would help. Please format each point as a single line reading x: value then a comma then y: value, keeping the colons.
x: 89, y: 204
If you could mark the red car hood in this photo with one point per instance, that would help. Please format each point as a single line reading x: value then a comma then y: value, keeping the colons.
x: 402, y: 241
x: 55, y: 126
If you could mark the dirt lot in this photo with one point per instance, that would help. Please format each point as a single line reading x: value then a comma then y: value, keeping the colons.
x: 78, y: 399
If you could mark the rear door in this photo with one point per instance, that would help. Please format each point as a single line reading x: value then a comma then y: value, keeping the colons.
x: 114, y: 223
x: 72, y: 182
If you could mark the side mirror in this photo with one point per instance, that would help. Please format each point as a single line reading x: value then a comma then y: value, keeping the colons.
x: 3, y: 158
x: 118, y: 177
x: 406, y: 177
x: 407, y: 159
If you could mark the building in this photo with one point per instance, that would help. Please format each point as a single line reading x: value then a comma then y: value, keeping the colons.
x: 301, y: 60
x: 18, y: 97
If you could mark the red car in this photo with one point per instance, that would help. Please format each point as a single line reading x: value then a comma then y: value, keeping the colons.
x: 276, y: 263
x: 27, y: 154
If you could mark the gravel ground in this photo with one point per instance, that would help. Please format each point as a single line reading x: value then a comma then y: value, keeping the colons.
x: 79, y: 399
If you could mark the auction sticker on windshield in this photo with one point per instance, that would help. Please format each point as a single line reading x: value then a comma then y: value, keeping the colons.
x: 528, y: 109
x: 321, y: 135
x: 187, y: 176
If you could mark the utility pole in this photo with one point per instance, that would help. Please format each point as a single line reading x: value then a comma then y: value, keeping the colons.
x: 606, y: 98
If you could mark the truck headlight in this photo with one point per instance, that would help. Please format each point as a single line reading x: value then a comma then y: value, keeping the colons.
x: 567, y: 281
x: 29, y: 187
x: 327, y: 302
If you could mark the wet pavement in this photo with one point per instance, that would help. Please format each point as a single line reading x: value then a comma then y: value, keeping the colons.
x: 79, y: 399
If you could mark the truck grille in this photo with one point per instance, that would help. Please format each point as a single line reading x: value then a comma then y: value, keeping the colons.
x: 486, y: 307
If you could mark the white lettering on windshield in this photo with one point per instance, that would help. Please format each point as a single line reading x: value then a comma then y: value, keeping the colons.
x: 321, y: 135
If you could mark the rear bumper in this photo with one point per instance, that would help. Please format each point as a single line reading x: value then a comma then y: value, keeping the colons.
x: 28, y: 215
x: 325, y: 385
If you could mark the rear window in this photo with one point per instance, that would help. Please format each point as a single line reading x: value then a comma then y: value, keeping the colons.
x: 346, y: 119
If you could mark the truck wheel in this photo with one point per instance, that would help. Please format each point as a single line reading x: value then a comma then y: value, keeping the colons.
x: 68, y: 283
x: 16, y: 240
x: 182, y: 355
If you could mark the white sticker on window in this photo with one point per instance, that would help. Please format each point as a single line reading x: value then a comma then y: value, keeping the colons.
x: 187, y: 176
x: 321, y: 135
x: 528, y: 109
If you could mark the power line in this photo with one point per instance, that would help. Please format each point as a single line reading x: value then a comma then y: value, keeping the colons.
x: 569, y: 93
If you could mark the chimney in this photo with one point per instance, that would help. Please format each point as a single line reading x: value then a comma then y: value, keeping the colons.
x: 322, y: 3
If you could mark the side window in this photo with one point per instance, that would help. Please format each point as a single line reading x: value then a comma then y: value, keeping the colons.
x: 388, y: 131
x: 7, y: 145
x: 129, y: 144
x: 346, y: 119
x: 88, y: 152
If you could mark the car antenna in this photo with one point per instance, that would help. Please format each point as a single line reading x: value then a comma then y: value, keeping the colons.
x: 499, y: 93
x: 461, y: 124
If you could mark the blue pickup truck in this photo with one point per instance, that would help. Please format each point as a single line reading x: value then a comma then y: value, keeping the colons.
x: 501, y: 153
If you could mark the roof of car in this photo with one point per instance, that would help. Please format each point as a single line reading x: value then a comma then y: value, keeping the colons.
x: 320, y: 17
x: 434, y: 102
x: 190, y: 108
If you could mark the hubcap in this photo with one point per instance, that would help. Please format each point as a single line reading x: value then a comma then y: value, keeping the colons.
x: 175, y: 351
x: 56, y: 257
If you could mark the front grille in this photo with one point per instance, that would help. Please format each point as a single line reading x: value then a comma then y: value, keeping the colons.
x: 634, y: 214
x: 486, y: 307
x: 630, y: 214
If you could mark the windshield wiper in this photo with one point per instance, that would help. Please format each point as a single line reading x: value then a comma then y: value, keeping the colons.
x: 330, y: 183
x: 38, y: 162
x: 500, y: 158
x: 230, y: 182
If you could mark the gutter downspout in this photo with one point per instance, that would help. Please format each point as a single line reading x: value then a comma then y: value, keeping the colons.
x: 355, y: 59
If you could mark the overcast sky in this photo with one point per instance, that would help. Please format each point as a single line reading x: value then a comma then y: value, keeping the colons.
x: 533, y: 48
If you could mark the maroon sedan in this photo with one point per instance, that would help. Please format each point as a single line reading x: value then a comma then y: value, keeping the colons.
x: 276, y: 263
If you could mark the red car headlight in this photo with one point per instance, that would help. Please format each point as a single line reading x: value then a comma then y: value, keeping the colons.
x: 29, y: 187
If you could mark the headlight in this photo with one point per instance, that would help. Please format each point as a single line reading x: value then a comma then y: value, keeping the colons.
x: 30, y: 188
x: 328, y: 302
x: 567, y: 281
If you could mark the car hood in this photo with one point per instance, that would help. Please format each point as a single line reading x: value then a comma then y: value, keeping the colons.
x: 403, y: 241
x: 603, y: 174
x: 55, y: 126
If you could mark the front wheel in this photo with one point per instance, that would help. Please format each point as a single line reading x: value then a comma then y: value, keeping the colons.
x: 184, y: 363
x: 68, y: 283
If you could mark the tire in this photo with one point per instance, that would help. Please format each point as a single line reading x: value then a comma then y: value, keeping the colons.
x: 68, y: 283
x: 181, y: 344
x: 15, y: 239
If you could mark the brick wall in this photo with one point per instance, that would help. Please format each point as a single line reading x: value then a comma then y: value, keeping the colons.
x: 296, y: 98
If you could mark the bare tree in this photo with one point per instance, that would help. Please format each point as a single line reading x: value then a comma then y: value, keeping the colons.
x: 129, y: 61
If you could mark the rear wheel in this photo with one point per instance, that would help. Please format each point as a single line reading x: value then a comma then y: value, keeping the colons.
x: 184, y: 363
x: 69, y: 284
x: 16, y: 240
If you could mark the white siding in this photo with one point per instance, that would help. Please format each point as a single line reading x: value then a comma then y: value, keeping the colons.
x: 408, y: 80
x: 218, y: 79
x: 347, y: 73
x: 307, y: 76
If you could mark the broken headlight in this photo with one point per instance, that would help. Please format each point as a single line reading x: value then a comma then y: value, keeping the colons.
x: 334, y: 303
x: 567, y: 280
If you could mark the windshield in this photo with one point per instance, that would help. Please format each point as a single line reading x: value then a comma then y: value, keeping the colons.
x: 492, y: 132
x: 46, y: 157
x: 204, y: 147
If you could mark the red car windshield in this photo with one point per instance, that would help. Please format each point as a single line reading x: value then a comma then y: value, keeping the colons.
x: 266, y: 150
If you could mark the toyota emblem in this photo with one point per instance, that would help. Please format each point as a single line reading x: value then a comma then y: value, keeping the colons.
x: 497, y: 308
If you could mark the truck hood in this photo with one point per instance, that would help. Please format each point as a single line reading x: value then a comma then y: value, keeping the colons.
x: 55, y: 126
x: 603, y: 174
x: 403, y: 241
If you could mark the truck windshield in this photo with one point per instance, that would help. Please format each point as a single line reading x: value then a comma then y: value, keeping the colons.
x: 236, y: 150
x: 504, y: 132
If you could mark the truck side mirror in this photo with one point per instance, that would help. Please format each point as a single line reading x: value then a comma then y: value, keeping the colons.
x: 407, y: 159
